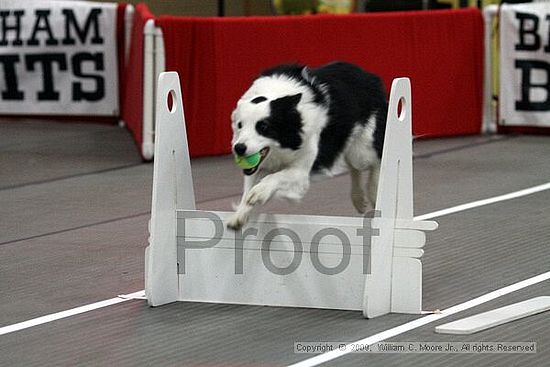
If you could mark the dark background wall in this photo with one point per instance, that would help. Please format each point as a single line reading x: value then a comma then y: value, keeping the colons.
x: 204, y: 7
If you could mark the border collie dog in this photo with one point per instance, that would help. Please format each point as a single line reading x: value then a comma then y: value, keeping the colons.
x: 305, y: 121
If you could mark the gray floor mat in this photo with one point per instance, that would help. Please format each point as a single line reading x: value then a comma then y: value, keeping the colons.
x: 73, y: 228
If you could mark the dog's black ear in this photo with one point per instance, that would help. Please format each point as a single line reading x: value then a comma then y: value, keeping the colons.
x: 287, y: 102
x: 306, y: 75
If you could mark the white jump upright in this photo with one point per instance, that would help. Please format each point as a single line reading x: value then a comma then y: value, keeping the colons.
x: 395, y: 281
x: 172, y: 189
x: 350, y: 263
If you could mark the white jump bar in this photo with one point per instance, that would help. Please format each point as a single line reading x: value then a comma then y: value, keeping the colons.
x: 499, y: 316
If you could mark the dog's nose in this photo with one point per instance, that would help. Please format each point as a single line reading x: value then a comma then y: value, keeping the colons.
x: 239, y: 148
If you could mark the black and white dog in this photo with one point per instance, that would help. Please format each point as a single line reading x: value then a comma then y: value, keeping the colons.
x: 304, y: 121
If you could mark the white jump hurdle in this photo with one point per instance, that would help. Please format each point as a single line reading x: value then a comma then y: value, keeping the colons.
x: 350, y: 263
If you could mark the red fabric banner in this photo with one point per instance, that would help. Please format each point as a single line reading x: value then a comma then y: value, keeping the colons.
x: 120, y: 39
x: 217, y: 59
x: 132, y: 94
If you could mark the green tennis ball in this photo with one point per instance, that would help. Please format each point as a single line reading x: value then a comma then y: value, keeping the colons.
x: 249, y: 161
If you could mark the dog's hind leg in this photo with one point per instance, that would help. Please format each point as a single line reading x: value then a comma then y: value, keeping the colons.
x: 372, y: 185
x: 357, y: 191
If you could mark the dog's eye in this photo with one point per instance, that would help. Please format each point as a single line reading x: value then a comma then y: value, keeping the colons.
x: 262, y: 126
x: 239, y: 125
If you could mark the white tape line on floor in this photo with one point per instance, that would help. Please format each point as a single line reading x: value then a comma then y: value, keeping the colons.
x: 483, y: 202
x: 329, y: 356
x: 67, y: 313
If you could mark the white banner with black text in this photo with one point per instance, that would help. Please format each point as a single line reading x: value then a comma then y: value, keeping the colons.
x: 525, y: 65
x: 58, y: 57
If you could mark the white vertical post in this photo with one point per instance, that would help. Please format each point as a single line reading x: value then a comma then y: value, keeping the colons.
x: 153, y: 65
x: 147, y: 145
x: 489, y: 121
x: 128, y: 25
x: 159, y: 52
x: 171, y: 189
x: 159, y: 60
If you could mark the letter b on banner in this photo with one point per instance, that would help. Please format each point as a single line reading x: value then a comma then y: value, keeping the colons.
x: 529, y: 39
x: 529, y: 83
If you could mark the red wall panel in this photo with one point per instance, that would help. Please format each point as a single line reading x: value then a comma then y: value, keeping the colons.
x: 217, y: 59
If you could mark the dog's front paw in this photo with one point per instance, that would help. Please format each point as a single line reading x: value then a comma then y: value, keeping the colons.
x: 236, y: 221
x: 259, y: 194
x: 359, y: 201
x: 360, y: 204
